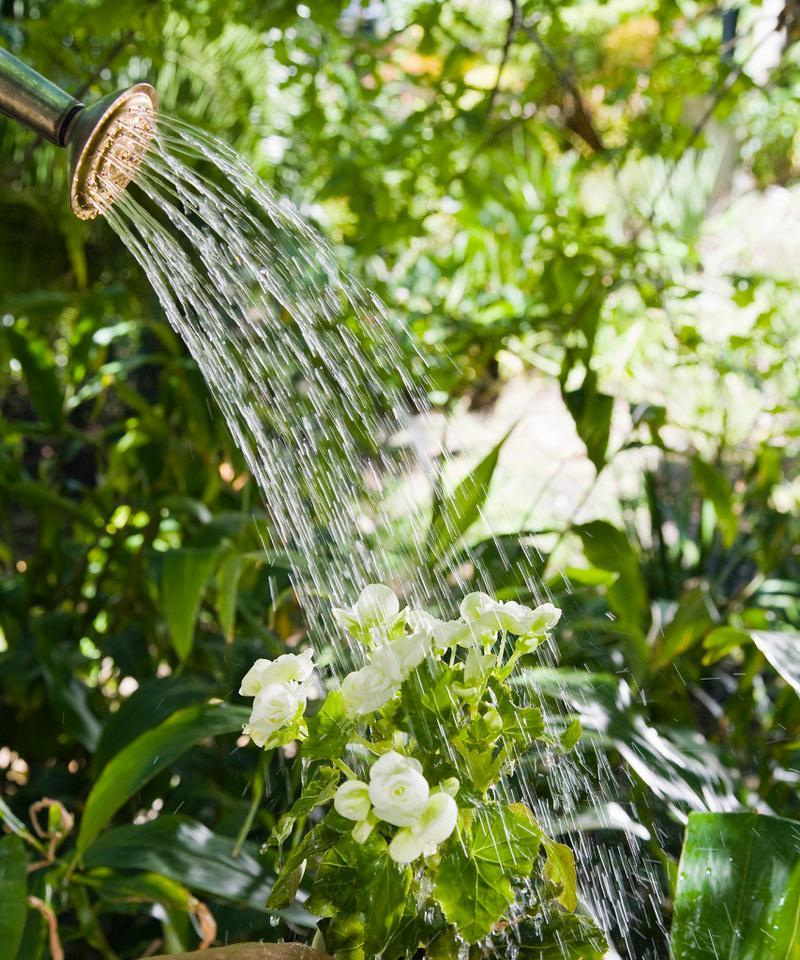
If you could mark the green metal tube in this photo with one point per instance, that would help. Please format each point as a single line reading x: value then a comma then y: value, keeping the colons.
x: 27, y: 96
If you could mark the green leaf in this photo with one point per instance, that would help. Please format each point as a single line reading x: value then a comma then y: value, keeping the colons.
x: 561, y: 936
x: 150, y: 753
x: 117, y: 887
x: 12, y: 821
x: 721, y: 641
x: 507, y: 836
x: 560, y: 869
x: 455, y: 512
x: 317, y: 841
x: 329, y: 730
x: 738, y: 890
x: 154, y: 701
x: 227, y: 583
x: 782, y: 650
x: 714, y: 486
x: 473, y: 894
x: 592, y: 412
x: 13, y: 891
x: 321, y: 788
x: 188, y: 853
x: 183, y: 580
x: 361, y: 881
x: 40, y: 375
x: 693, y: 618
x: 572, y: 734
x: 608, y: 548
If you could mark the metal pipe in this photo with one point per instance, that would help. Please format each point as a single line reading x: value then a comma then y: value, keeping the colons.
x: 107, y: 140
x: 27, y: 96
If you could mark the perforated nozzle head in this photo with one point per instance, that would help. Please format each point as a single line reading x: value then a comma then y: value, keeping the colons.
x: 108, y: 141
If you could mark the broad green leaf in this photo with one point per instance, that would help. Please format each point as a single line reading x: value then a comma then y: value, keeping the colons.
x: 592, y: 412
x: 227, y: 582
x: 738, y: 893
x: 560, y: 869
x: 782, y: 650
x: 188, y: 853
x: 40, y: 375
x: 507, y: 836
x: 154, y: 701
x: 455, y: 512
x: 693, y: 617
x: 329, y: 730
x: 361, y: 880
x: 562, y: 936
x: 715, y: 487
x: 146, y: 756
x: 721, y: 641
x: 184, y: 576
x: 117, y: 887
x: 608, y: 548
x: 473, y: 894
x: 13, y: 891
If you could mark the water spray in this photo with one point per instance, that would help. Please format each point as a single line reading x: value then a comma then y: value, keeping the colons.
x: 107, y: 140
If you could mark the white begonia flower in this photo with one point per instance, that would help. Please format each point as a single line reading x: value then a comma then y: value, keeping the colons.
x: 352, y: 800
x: 403, y: 655
x: 290, y: 668
x: 398, y: 790
x: 369, y: 688
x: 445, y: 633
x: 275, y: 707
x: 377, y: 609
x: 546, y: 616
x: 516, y: 617
x: 435, y: 824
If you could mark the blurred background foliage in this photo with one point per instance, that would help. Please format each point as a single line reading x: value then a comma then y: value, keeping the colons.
x: 588, y: 205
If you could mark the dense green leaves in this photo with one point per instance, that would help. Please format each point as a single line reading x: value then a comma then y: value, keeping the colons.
x: 151, y: 752
x: 13, y: 891
x: 738, y: 890
x: 187, y: 852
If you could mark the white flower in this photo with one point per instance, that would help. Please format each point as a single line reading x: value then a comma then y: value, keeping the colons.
x: 476, y: 604
x: 290, y: 668
x: 377, y: 608
x: 275, y: 707
x: 546, y: 616
x: 398, y: 790
x: 403, y: 655
x: 352, y: 800
x: 445, y: 633
x: 515, y: 617
x: 367, y: 689
x: 436, y: 823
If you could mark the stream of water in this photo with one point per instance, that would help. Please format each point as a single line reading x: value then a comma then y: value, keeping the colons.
x: 311, y: 378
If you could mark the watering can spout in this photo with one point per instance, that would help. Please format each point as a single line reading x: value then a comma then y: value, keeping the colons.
x: 107, y: 140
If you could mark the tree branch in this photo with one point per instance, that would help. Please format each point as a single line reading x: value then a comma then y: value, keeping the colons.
x: 513, y: 27
x: 582, y: 121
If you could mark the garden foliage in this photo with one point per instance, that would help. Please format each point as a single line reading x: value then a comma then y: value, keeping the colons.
x: 529, y: 187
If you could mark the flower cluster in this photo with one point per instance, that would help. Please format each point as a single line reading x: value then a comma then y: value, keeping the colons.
x: 411, y: 749
x: 377, y: 620
x: 280, y: 690
x: 399, y: 794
